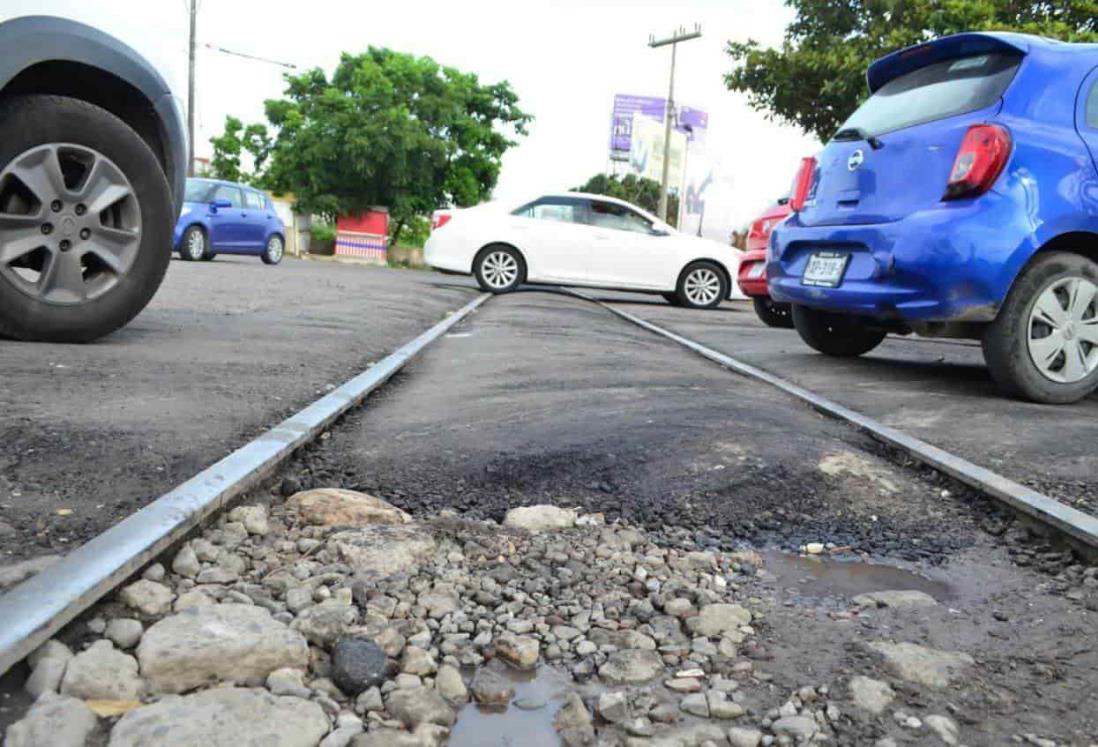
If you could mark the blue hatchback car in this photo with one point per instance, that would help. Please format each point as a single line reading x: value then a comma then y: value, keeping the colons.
x: 960, y: 200
x: 228, y: 218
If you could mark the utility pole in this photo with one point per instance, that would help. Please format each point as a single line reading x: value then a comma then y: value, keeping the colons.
x: 190, y: 93
x: 680, y: 35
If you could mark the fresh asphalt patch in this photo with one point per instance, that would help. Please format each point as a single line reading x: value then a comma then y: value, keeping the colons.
x: 936, y: 390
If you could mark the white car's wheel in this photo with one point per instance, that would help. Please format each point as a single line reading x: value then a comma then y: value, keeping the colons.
x: 702, y: 285
x: 499, y: 268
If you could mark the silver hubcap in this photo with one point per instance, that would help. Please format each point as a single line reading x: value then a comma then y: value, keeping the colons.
x: 499, y: 270
x: 70, y: 224
x: 702, y: 286
x: 1063, y: 330
x: 196, y: 245
x: 274, y: 248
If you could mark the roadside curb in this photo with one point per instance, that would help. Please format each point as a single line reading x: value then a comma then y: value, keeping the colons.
x: 37, y: 608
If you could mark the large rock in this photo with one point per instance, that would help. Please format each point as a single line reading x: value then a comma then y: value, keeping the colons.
x: 148, y: 597
x: 382, y: 550
x: 53, y: 721
x: 540, y: 518
x: 739, y: 736
x: 631, y: 666
x: 798, y: 727
x: 491, y: 688
x: 870, y: 694
x: 573, y: 722
x: 715, y: 619
x: 450, y: 685
x: 235, y: 643
x: 101, y: 673
x: 338, y: 507
x: 924, y: 666
x: 324, y: 623
x: 419, y: 706
x: 895, y: 598
x: 944, y: 727
x: 357, y: 665
x: 518, y: 650
x: 223, y: 716
x: 48, y: 664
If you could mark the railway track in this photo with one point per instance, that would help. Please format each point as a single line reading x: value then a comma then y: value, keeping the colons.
x: 35, y: 610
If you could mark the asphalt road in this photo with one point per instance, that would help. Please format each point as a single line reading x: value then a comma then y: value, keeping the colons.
x: 937, y: 390
x: 90, y: 433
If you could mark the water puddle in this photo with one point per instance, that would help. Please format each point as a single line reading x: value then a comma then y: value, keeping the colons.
x: 527, y: 722
x: 814, y: 576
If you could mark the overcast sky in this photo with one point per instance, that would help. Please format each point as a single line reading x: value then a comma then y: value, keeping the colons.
x: 565, y: 58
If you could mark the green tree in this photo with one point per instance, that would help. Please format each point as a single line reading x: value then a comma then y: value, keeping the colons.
x: 390, y: 129
x: 816, y: 78
x: 638, y: 190
x: 230, y: 145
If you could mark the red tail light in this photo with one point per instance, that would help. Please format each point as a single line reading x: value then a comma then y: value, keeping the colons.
x: 983, y: 154
x: 441, y: 219
x: 802, y: 185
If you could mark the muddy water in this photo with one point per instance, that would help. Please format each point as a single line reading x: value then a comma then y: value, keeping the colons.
x: 812, y: 576
x: 527, y: 722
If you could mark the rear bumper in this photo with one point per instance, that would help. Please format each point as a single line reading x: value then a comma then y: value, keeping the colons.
x: 445, y: 254
x: 752, y: 286
x: 953, y: 262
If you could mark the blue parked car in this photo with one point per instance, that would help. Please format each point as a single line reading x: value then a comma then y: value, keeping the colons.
x: 227, y: 218
x: 960, y: 200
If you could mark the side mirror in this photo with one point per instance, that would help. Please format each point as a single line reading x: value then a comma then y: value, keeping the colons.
x: 221, y: 203
x: 660, y: 231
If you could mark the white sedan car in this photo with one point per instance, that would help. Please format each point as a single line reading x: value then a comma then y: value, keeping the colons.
x: 582, y: 240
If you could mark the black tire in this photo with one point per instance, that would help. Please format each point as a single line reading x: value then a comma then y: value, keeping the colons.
x: 208, y: 256
x: 29, y: 122
x: 702, y: 266
x: 194, y: 245
x: 839, y: 335
x: 270, y: 256
x: 484, y: 268
x: 671, y: 298
x: 772, y: 313
x: 1006, y: 340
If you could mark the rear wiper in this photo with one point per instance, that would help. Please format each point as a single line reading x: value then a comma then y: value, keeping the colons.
x: 857, y: 133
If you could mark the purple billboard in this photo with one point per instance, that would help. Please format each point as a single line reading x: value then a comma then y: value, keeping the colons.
x: 626, y: 106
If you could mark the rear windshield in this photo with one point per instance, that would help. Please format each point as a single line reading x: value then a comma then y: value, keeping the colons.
x: 936, y: 91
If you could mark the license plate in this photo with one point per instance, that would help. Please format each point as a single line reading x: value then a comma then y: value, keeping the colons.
x: 825, y: 269
x: 757, y: 270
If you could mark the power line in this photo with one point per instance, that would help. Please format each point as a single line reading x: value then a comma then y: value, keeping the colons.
x: 247, y: 56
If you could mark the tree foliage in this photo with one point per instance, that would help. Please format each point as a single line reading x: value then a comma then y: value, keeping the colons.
x: 817, y: 77
x: 232, y: 144
x: 638, y: 190
x: 390, y: 129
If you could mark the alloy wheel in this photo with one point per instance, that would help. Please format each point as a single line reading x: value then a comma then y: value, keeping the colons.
x: 274, y: 248
x: 196, y: 245
x: 702, y: 286
x: 500, y: 270
x: 1062, y: 332
x: 70, y: 223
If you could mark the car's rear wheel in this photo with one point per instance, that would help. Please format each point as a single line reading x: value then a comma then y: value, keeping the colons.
x: 85, y: 220
x: 1043, y: 345
x: 772, y: 313
x: 193, y: 245
x: 702, y: 285
x: 499, y: 268
x: 839, y: 335
x: 272, y: 255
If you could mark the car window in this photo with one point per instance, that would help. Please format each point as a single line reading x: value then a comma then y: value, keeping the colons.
x: 232, y: 194
x: 943, y: 89
x: 618, y: 217
x: 254, y: 200
x: 1092, y: 106
x: 199, y: 191
x: 553, y: 208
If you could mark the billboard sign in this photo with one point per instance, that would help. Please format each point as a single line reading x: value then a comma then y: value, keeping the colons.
x: 628, y: 110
